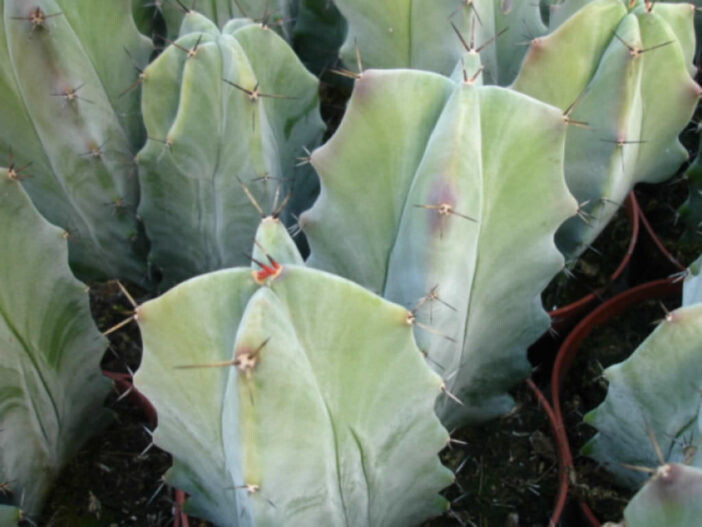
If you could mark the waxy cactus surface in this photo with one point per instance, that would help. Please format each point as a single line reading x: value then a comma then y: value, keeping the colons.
x: 71, y: 120
x: 289, y: 396
x: 418, y: 34
x: 655, y: 392
x: 623, y: 79
x: 671, y: 498
x: 274, y: 13
x: 51, y: 387
x: 228, y: 114
x: 444, y: 197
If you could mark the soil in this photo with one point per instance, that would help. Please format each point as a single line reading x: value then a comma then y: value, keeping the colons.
x: 585, y: 388
x: 591, y: 272
x: 507, y: 470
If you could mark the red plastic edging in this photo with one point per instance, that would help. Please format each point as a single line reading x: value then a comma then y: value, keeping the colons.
x: 569, y: 348
x: 562, y: 315
x: 561, y: 447
x: 180, y: 519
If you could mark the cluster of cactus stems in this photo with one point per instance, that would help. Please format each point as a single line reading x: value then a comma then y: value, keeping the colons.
x: 445, y: 202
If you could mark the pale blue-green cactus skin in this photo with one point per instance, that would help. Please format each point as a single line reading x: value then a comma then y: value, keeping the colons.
x: 625, y: 106
x: 67, y: 110
x: 219, y: 156
x: 418, y: 34
x: 278, y: 14
x: 671, y: 498
x: 51, y: 387
x: 409, y: 143
x: 9, y: 516
x: 655, y: 392
x: 332, y: 423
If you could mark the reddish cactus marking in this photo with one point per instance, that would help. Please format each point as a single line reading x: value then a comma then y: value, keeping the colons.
x: 37, y: 18
x: 267, y: 271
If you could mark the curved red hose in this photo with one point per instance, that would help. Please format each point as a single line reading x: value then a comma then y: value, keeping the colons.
x: 572, y: 310
x: 180, y: 519
x: 561, y: 449
x: 568, y: 350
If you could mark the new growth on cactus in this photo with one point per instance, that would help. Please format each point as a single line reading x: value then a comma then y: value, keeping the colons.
x: 289, y: 396
x: 227, y: 114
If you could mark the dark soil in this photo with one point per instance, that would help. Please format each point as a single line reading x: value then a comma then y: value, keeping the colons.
x: 585, y: 388
x: 593, y: 269
x: 116, y: 479
x: 507, y: 470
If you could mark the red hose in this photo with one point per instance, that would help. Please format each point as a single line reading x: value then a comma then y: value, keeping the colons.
x: 562, y: 315
x: 568, y: 350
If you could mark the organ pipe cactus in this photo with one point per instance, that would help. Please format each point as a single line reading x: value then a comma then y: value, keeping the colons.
x: 70, y: 118
x: 656, y: 392
x: 418, y: 34
x: 444, y: 197
x: 623, y: 77
x: 289, y: 396
x: 227, y: 114
x: 51, y: 387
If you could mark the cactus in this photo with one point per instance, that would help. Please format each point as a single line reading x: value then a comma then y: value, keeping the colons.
x: 671, y: 498
x: 227, y: 113
x: 691, y: 210
x: 51, y: 388
x: 444, y: 197
x: 655, y: 392
x: 623, y: 79
x: 411, y: 34
x: 9, y: 516
x: 66, y: 109
x: 317, y: 407
x: 276, y: 13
